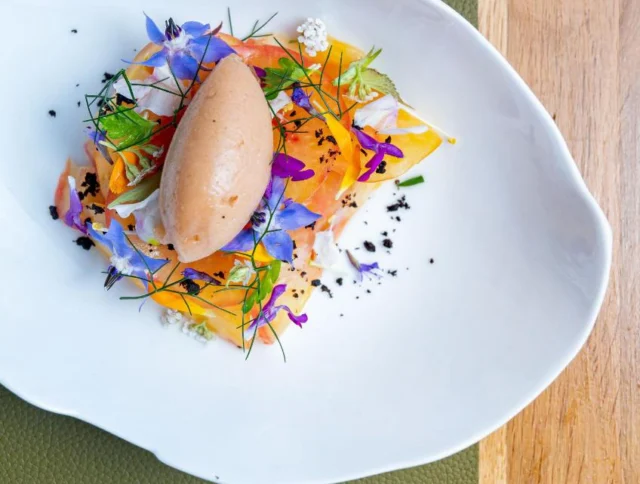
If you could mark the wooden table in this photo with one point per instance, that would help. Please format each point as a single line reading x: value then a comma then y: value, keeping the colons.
x: 582, y: 59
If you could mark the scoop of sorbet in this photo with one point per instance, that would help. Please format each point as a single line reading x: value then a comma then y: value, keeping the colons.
x: 218, y: 165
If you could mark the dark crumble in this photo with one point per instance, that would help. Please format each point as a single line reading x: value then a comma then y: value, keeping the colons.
x: 388, y: 139
x: 357, y: 297
x: 191, y: 287
x: 219, y: 274
x: 339, y: 281
x: 333, y: 153
x: 78, y: 84
x: 431, y: 261
x: 400, y: 203
x: 293, y: 113
x: 321, y: 159
x: 170, y: 247
x: 382, y: 167
x: 398, y: 218
x: 370, y: 246
x: 74, y: 31
x: 331, y: 140
x: 392, y: 273
x: 303, y: 273
x: 301, y: 291
x: 321, y: 140
x: 324, y: 288
x: 342, y: 315
x: 52, y: 113
x: 131, y: 227
x: 388, y: 243
x: 296, y: 295
x: 91, y: 184
x: 311, y: 226
x: 297, y: 123
x: 106, y: 77
x: 318, y: 133
x: 364, y: 152
x: 97, y: 209
x: 79, y: 103
x: 53, y: 211
x: 316, y: 283
x: 368, y: 291
x: 85, y: 242
x: 385, y: 233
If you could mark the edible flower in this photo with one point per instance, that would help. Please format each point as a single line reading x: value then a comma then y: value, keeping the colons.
x: 72, y: 217
x: 270, y: 222
x: 380, y: 149
x: 301, y: 99
x: 364, y: 269
x: 314, y: 36
x: 184, y: 47
x: 242, y: 271
x: 147, y: 214
x: 195, y: 275
x: 382, y: 115
x: 156, y: 93
x: 270, y: 311
x: 282, y: 102
x: 124, y: 260
x: 327, y: 254
x: 285, y: 166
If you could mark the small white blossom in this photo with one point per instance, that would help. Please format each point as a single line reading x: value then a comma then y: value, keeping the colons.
x: 314, y: 67
x: 122, y: 265
x: 314, y: 36
x: 369, y: 97
x: 199, y: 331
x: 281, y: 102
x: 382, y: 115
x: 242, y: 271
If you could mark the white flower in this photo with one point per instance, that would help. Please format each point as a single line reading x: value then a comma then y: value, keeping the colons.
x: 327, y: 254
x: 147, y: 214
x: 199, y: 331
x: 382, y: 115
x: 242, y: 271
x: 122, y: 265
x: 281, y: 101
x: 153, y: 98
x: 314, y: 36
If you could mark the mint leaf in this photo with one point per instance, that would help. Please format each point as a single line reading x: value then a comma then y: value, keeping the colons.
x: 280, y: 78
x: 373, y: 79
x: 125, y: 127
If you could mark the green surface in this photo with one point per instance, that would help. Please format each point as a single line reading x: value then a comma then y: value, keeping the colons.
x: 37, y: 447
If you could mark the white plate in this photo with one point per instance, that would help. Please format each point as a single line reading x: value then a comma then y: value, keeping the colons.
x: 428, y: 364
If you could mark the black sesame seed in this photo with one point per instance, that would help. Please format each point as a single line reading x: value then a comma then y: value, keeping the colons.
x: 85, y: 242
x: 369, y: 246
x: 52, y: 113
x: 53, y: 211
x: 316, y: 282
x: 368, y: 291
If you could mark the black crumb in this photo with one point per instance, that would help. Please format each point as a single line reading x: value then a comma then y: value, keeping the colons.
x: 385, y: 233
x: 369, y: 246
x: 318, y: 133
x: 52, y: 113
x: 53, y: 211
x: 339, y: 281
x: 79, y: 103
x: 400, y: 203
x: 107, y: 76
x: 97, y: 209
x: 382, y: 167
x: 357, y: 297
x: 297, y: 123
x: 131, y: 227
x: 368, y: 291
x: 392, y: 273
x: 293, y: 113
x: 366, y: 223
x: 387, y: 243
x: 296, y: 295
x: 341, y: 315
x: 191, y: 287
x: 74, y: 31
x: 431, y: 261
x: 398, y: 218
x: 219, y: 274
x: 91, y: 184
x: 316, y: 282
x: 303, y: 273
x: 85, y: 242
x: 324, y: 288
x: 170, y: 247
x: 331, y: 140
x: 78, y: 84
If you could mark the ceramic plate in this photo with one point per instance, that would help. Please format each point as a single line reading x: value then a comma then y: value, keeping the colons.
x: 427, y: 364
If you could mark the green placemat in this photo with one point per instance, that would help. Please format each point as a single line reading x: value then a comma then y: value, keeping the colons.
x: 37, y: 447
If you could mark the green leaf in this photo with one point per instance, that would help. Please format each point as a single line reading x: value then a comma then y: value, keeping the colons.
x: 266, y: 286
x: 126, y: 127
x: 411, y: 181
x: 281, y: 78
x: 356, y: 67
x: 140, y: 192
x: 373, y: 79
x: 274, y: 270
x: 249, y: 302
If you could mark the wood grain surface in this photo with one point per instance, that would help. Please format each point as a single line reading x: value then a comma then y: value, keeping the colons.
x: 582, y: 59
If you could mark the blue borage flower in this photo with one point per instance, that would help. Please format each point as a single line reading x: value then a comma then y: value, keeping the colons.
x: 270, y: 311
x: 370, y: 270
x: 72, y: 217
x: 124, y: 260
x: 184, y: 47
x: 380, y: 150
x: 287, y: 215
x: 195, y: 275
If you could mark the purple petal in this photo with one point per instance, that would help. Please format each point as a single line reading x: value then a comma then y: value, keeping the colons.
x: 241, y: 242
x: 297, y: 320
x: 153, y: 32
x: 301, y: 98
x: 156, y: 60
x: 183, y: 65
x: 72, y: 217
x: 260, y: 72
x: 372, y: 166
x: 195, y: 29
x: 366, y: 141
x: 279, y: 245
x: 275, y: 192
x: 390, y: 149
x: 276, y: 292
x: 215, y: 51
x: 295, y: 216
x: 199, y: 276
x: 285, y: 166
